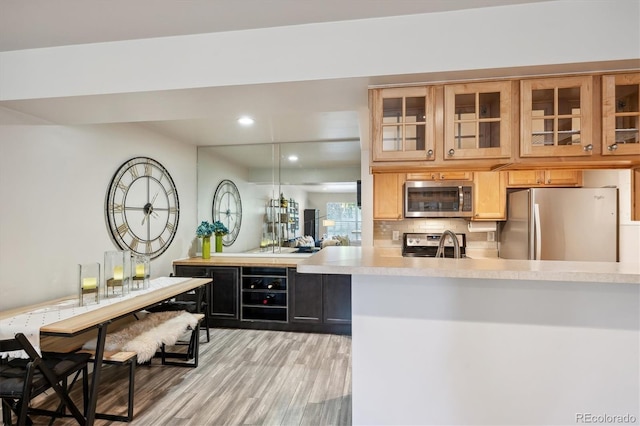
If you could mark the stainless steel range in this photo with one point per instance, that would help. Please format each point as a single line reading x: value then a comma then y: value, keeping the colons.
x: 426, y: 245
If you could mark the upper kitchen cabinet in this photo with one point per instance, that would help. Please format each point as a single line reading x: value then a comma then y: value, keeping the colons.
x: 452, y: 175
x: 620, y: 114
x: 387, y: 196
x: 557, y: 117
x: 542, y: 178
x: 489, y: 196
x: 478, y: 120
x: 402, y: 123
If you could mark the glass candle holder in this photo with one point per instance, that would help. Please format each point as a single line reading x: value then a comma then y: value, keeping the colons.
x: 140, y: 271
x: 89, y: 283
x: 117, y: 273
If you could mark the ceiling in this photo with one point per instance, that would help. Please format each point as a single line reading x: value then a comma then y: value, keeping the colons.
x: 45, y: 23
x: 201, y: 118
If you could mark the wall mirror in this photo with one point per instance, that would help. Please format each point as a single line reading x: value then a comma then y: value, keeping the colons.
x: 279, y: 184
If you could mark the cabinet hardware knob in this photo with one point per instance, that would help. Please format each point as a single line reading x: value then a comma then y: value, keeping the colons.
x: 588, y: 147
x: 430, y: 153
x: 612, y: 147
x: 451, y: 152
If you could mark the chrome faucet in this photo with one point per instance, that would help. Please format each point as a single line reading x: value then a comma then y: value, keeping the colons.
x: 456, y: 244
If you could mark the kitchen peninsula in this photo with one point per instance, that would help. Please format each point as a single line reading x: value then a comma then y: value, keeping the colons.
x: 489, y: 341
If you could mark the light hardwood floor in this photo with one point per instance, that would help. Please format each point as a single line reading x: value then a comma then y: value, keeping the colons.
x: 244, y: 377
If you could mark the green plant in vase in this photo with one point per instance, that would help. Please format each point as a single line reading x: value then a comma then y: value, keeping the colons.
x: 219, y: 230
x: 204, y: 231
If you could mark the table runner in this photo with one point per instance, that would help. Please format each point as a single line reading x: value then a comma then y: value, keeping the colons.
x: 29, y: 323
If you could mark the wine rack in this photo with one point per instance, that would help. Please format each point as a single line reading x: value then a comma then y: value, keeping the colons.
x: 264, y: 294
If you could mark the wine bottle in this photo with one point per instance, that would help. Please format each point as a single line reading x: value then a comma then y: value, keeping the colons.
x: 274, y: 285
x: 269, y: 299
x: 255, y: 284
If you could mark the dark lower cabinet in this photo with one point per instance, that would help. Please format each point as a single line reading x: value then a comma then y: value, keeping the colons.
x: 336, y: 299
x: 320, y: 299
x: 318, y: 303
x: 306, y: 297
x: 223, y: 297
x: 222, y: 293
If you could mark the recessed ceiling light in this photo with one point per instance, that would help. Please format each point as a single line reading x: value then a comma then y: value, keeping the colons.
x: 293, y: 158
x: 246, y: 121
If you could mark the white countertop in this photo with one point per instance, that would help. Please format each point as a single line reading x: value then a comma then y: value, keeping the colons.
x: 380, y: 261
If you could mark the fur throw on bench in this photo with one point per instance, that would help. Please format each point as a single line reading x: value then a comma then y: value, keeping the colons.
x: 147, y: 335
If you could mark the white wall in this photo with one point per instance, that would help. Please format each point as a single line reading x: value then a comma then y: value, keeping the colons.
x: 53, y: 183
x: 445, y: 351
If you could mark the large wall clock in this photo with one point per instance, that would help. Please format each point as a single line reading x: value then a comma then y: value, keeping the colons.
x: 142, y: 207
x: 227, y: 208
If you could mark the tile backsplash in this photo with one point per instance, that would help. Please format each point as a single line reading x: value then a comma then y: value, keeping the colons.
x: 477, y: 242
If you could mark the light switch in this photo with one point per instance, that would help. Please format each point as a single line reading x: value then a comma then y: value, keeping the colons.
x: 395, y: 235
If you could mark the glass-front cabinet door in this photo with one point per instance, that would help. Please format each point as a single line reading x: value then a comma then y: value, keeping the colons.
x: 557, y: 117
x: 477, y: 120
x: 403, y: 124
x: 620, y: 114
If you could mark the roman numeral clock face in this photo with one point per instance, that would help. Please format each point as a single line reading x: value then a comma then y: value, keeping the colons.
x: 227, y: 209
x: 142, y: 207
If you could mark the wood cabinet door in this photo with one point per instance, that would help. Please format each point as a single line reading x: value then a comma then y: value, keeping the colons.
x: 557, y: 117
x: 526, y: 178
x: 455, y: 175
x: 563, y: 178
x: 440, y: 176
x: 478, y: 120
x: 223, y: 296
x: 402, y: 123
x: 387, y: 196
x: 489, y: 196
x: 336, y: 299
x: 621, y: 114
x: 305, y: 304
x: 540, y: 178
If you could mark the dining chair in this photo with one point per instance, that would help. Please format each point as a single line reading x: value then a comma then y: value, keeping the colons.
x: 22, y: 379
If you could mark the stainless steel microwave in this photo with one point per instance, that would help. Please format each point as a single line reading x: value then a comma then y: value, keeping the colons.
x: 438, y: 199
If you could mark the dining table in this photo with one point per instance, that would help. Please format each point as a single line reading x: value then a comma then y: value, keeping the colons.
x: 63, y: 325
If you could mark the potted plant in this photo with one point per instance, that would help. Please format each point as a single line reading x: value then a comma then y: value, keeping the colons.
x: 205, y: 230
x: 219, y: 230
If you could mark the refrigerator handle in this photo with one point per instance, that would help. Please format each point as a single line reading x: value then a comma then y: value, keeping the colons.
x: 537, y: 231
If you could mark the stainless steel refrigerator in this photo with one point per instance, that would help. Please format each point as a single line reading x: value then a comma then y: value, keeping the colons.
x: 561, y: 224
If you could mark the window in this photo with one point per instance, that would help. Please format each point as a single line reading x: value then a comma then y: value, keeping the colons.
x: 347, y: 218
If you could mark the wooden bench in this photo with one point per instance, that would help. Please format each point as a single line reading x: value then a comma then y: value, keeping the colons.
x: 130, y: 358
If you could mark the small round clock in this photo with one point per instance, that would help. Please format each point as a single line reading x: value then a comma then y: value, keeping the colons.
x: 227, y: 208
x: 142, y: 207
